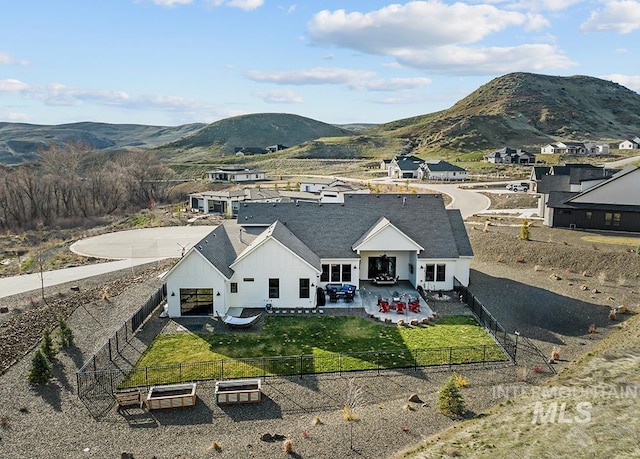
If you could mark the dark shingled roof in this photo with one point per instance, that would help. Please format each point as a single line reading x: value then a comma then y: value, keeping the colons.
x: 408, y: 163
x: 330, y: 230
x: 549, y: 183
x: 282, y: 234
x: 442, y: 166
x: 217, y: 248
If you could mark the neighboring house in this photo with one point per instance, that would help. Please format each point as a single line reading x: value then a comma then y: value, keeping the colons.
x: 565, y: 178
x: 336, y: 193
x: 242, y: 151
x: 630, y: 144
x: 441, y: 170
x: 279, y: 254
x: 317, y: 184
x: 508, y: 155
x: 576, y: 148
x: 405, y: 167
x: 276, y: 147
x: 564, y: 148
x: 227, y: 202
x: 234, y: 174
x: 384, y: 164
x: 612, y: 204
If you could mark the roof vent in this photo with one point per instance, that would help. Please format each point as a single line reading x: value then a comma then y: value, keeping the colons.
x: 206, y: 241
x: 200, y: 247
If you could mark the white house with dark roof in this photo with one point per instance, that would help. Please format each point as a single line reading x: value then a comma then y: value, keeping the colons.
x: 234, y: 174
x: 441, y: 170
x: 280, y: 253
x: 404, y: 167
x: 630, y: 144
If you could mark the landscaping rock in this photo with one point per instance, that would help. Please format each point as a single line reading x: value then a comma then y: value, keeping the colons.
x: 413, y: 398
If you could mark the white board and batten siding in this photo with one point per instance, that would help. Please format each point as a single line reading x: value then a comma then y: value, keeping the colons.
x: 195, y: 272
x: 271, y: 260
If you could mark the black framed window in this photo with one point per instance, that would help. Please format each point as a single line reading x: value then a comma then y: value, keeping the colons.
x: 616, y: 219
x: 335, y: 273
x: 346, y: 273
x: 234, y: 287
x: 441, y: 273
x: 430, y: 273
x: 608, y: 217
x: 304, y: 288
x: 274, y: 288
x: 324, y: 277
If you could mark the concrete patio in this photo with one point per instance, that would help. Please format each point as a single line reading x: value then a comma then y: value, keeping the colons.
x: 367, y: 296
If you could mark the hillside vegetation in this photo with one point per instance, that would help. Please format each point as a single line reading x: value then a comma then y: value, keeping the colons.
x: 520, y: 110
x: 524, y: 109
x: 21, y: 142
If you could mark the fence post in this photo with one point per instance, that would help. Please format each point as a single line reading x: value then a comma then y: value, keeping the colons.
x: 110, y: 357
x: 484, y: 355
x: 146, y: 376
x: 300, y: 366
x: 264, y: 367
x: 180, y: 372
x: 340, y: 364
x: 450, y: 356
x: 78, y: 382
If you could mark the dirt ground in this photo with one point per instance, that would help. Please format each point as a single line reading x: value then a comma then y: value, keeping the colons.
x: 550, y: 288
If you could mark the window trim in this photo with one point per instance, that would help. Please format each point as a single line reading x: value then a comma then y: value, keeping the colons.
x: 304, y: 288
x: 274, y: 288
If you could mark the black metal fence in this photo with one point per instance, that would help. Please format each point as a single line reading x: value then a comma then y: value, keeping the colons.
x: 111, y: 379
x: 506, y: 341
x: 104, y: 357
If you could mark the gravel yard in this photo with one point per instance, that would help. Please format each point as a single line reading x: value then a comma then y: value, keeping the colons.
x: 50, y: 421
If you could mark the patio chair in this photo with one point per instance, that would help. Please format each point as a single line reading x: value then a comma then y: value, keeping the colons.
x: 384, y: 306
x: 400, y: 307
x: 414, y: 306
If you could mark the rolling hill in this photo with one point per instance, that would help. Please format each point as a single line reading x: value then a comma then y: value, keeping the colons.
x: 21, y: 142
x: 524, y: 109
x: 518, y: 110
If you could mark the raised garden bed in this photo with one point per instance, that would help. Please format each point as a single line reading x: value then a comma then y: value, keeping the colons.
x: 171, y: 396
x: 238, y: 391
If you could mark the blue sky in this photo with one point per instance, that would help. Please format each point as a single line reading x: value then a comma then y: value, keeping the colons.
x: 171, y: 62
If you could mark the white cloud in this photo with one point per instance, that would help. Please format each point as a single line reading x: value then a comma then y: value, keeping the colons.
x: 56, y: 94
x: 8, y: 59
x: 279, y: 96
x: 630, y: 81
x: 13, y: 86
x: 439, y: 37
x: 247, y: 5
x: 543, y: 5
x: 480, y: 61
x: 618, y: 16
x: 415, y: 25
x: 12, y: 116
x: 171, y: 2
x: 392, y: 84
x: 318, y: 75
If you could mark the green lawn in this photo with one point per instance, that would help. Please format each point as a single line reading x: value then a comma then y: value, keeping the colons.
x: 322, y: 339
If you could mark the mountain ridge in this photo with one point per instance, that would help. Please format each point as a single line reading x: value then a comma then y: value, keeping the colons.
x: 517, y: 109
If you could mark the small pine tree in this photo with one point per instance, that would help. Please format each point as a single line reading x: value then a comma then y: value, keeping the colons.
x: 525, y: 232
x: 450, y: 401
x: 47, y: 344
x: 66, y: 335
x: 41, y: 371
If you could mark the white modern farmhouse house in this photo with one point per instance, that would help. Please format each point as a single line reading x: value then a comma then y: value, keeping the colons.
x: 279, y: 254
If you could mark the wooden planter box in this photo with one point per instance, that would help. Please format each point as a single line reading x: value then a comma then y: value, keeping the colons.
x: 171, y: 396
x: 238, y: 391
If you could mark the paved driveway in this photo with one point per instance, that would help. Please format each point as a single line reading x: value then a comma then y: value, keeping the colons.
x: 164, y: 242
x: 130, y: 248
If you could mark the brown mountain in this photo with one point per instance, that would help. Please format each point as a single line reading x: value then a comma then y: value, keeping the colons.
x: 527, y: 109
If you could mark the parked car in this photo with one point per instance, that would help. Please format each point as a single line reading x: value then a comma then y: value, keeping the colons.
x: 518, y: 186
